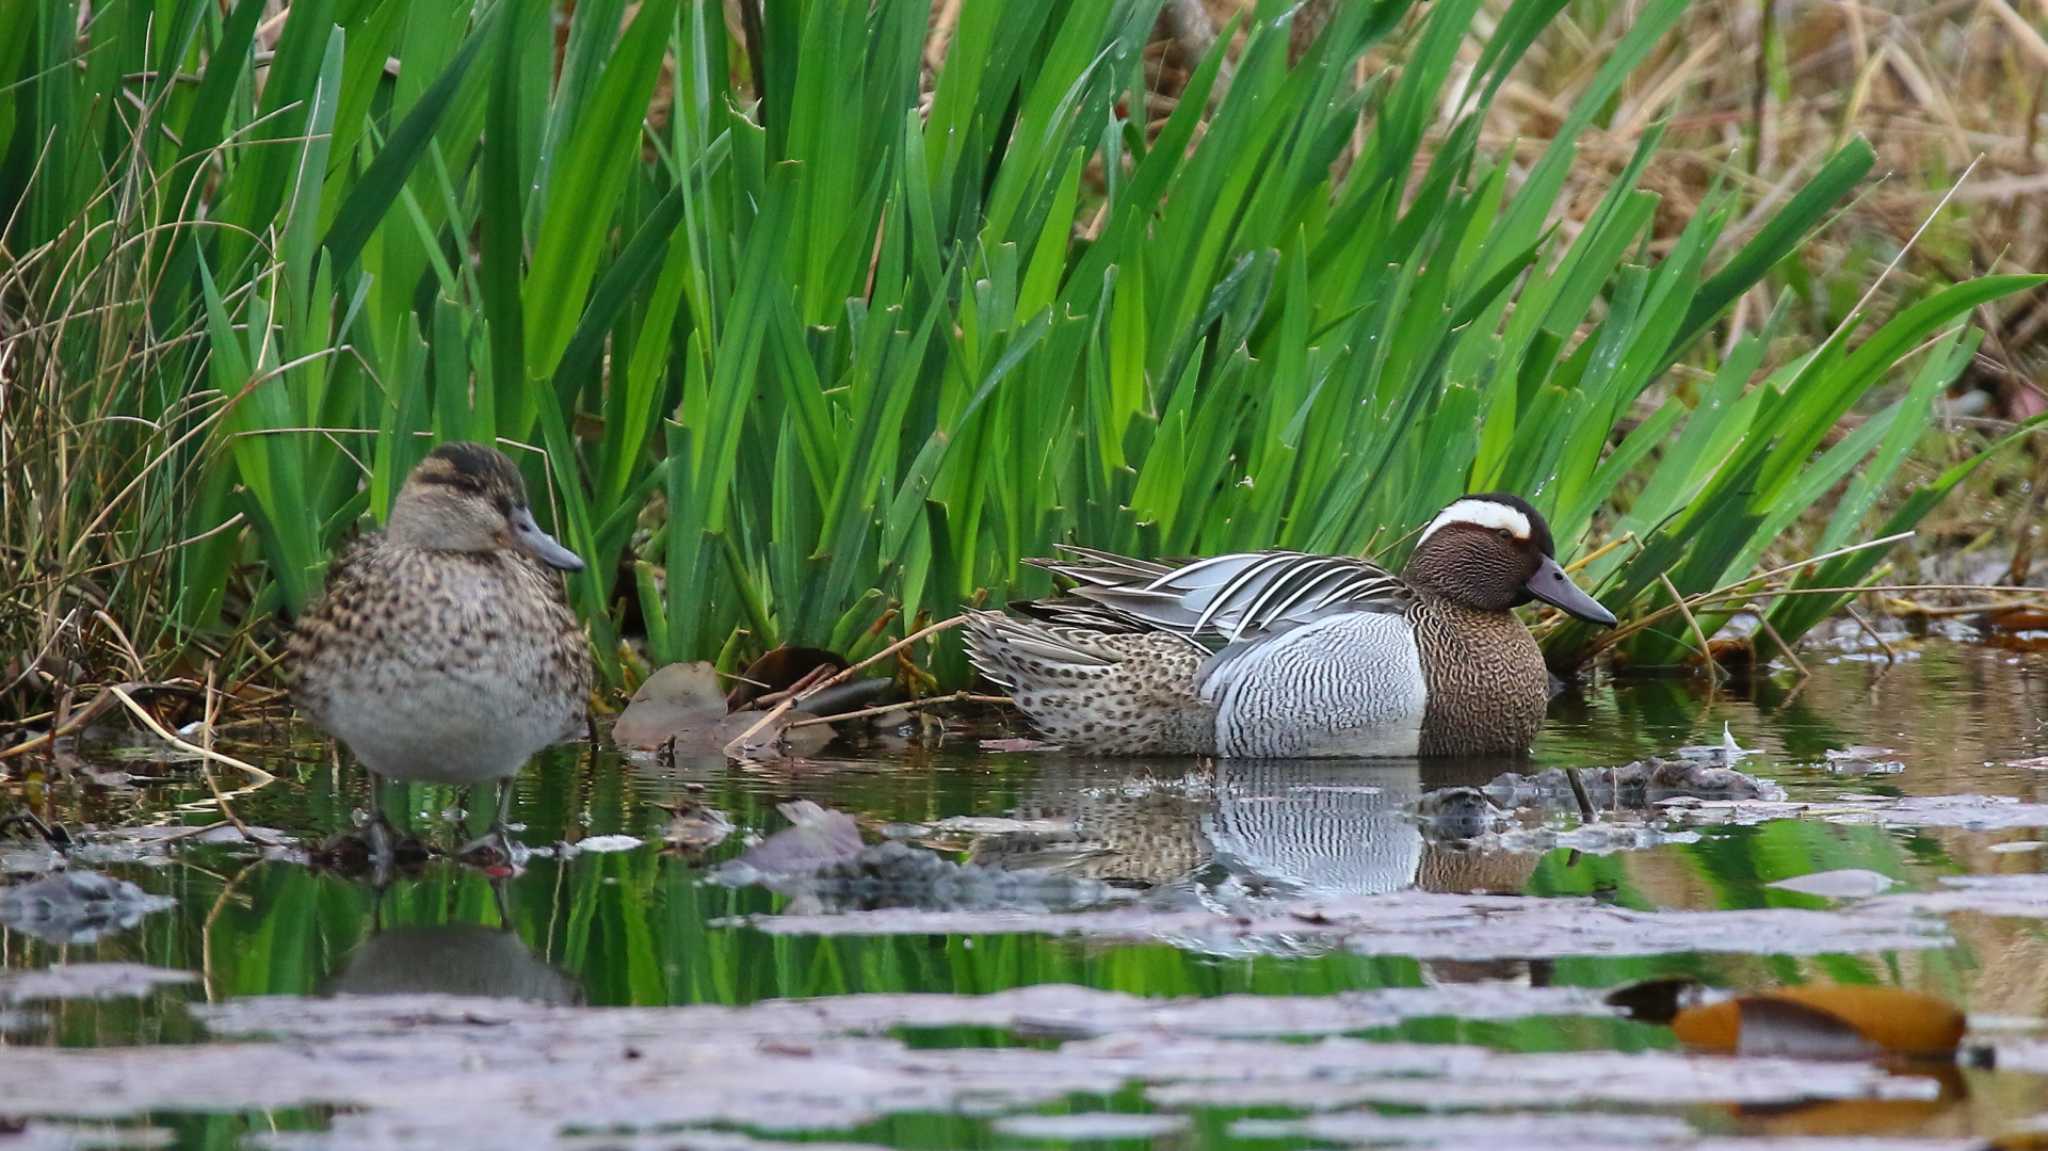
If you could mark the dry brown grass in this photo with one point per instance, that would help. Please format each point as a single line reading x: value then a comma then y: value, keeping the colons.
x: 1758, y: 92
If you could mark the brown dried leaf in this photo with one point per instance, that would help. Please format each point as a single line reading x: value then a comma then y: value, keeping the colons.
x: 1825, y: 1022
x: 680, y: 702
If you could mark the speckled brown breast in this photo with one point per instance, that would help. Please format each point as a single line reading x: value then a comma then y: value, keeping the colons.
x: 441, y: 665
x: 1488, y: 688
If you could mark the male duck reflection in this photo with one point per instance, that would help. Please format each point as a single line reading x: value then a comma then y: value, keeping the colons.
x: 1280, y: 654
x: 444, y: 649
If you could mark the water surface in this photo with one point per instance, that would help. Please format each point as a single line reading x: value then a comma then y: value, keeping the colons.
x: 642, y: 928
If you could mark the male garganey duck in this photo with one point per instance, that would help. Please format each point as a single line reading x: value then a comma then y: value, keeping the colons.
x: 1282, y: 654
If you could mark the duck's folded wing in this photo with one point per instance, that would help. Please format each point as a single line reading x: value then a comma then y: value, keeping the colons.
x: 1230, y: 597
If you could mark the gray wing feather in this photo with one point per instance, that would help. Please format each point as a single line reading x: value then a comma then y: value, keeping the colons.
x: 1234, y: 597
x: 1092, y: 566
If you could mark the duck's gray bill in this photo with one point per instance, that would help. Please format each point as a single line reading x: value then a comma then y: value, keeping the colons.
x: 1555, y: 588
x: 541, y: 545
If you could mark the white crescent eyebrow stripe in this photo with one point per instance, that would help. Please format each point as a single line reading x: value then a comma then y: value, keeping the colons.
x: 1480, y: 513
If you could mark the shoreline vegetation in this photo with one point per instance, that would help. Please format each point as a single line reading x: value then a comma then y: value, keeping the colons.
x: 815, y: 320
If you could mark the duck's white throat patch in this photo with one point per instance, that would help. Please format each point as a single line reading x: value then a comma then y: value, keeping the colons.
x: 1480, y: 513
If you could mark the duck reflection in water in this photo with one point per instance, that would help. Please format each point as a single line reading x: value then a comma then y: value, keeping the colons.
x: 1285, y: 828
x: 465, y: 959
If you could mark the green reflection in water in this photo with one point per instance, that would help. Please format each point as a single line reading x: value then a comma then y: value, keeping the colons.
x: 644, y: 928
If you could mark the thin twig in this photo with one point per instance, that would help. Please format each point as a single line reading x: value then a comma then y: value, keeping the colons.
x: 733, y: 746
x: 1625, y: 539
x: 1891, y: 654
x: 1698, y: 637
x: 803, y: 684
x: 905, y: 705
x: 1765, y: 622
x: 1945, y: 611
x: 1751, y: 585
x: 227, y: 810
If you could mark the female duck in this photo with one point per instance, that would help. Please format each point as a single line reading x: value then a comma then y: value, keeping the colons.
x: 1284, y: 654
x: 444, y: 649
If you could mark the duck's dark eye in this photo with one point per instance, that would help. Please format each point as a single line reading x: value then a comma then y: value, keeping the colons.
x: 1505, y: 534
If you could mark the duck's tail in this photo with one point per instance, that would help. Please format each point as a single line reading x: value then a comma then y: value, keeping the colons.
x: 1112, y: 694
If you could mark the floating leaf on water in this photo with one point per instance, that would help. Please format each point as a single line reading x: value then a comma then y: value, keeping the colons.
x: 88, y: 981
x: 1605, y: 838
x: 1426, y: 925
x: 1767, y: 1026
x: 42, y: 1135
x: 1845, y: 883
x: 1825, y: 1021
x: 2016, y: 896
x: 1972, y: 812
x: 1731, y: 751
x: 470, y: 1072
x: 1093, y: 1126
x: 1490, y: 1129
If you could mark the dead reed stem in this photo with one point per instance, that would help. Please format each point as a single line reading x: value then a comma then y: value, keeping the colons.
x: 906, y: 705
x: 149, y: 721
